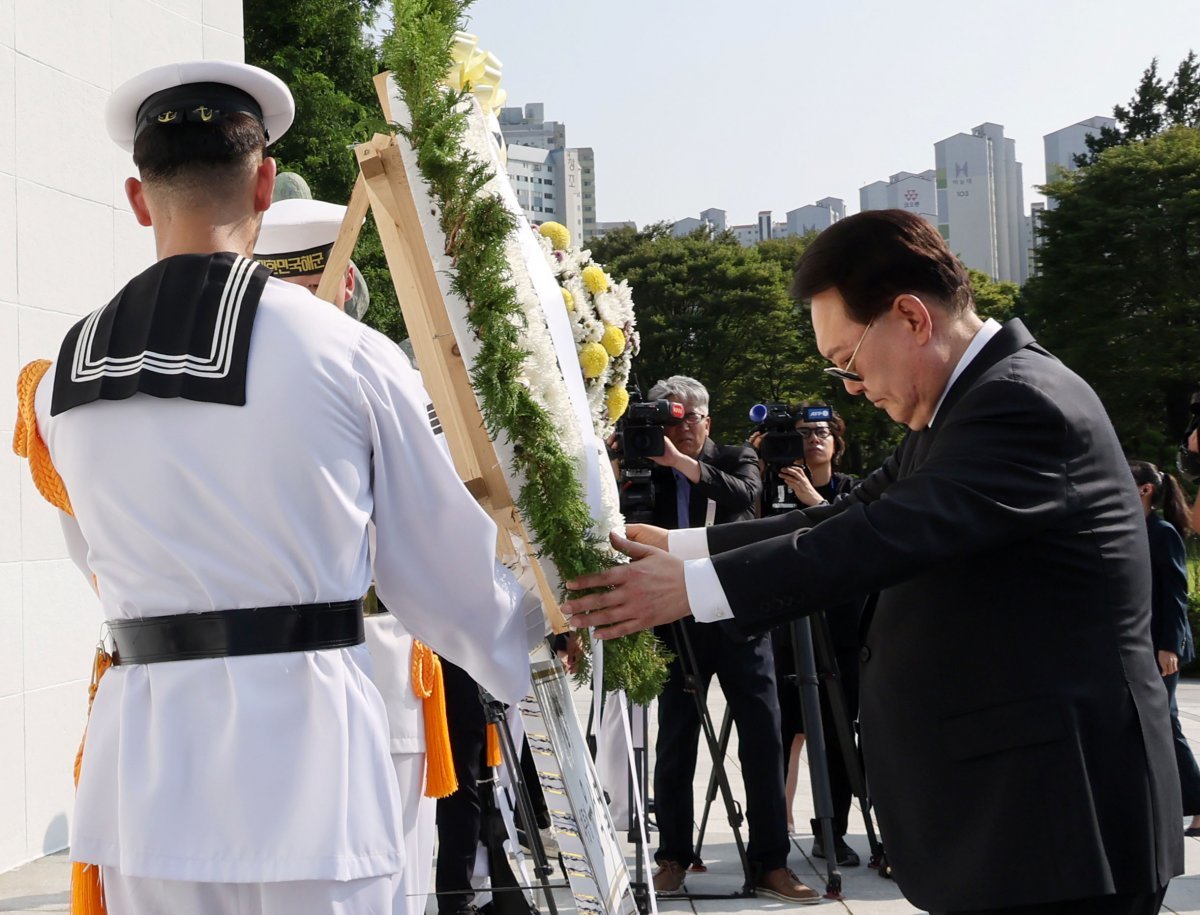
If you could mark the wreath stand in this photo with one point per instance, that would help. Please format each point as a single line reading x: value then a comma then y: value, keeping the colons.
x: 580, y: 819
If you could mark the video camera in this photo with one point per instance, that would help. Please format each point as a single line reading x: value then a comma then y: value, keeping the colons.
x: 781, y: 444
x: 640, y: 436
x: 1188, y: 460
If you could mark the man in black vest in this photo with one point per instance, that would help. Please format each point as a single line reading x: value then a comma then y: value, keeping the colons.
x: 698, y: 483
x: 1011, y: 707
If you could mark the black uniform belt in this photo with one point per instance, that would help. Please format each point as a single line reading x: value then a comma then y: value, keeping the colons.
x: 248, y: 630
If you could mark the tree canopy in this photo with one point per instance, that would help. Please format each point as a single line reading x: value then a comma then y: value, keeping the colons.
x: 1155, y: 107
x: 323, y: 51
x: 1117, y: 296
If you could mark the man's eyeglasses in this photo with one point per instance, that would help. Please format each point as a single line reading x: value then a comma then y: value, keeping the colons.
x: 820, y: 433
x: 844, y: 373
x: 693, y: 418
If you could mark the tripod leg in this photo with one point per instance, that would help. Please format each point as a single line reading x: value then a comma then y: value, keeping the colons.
x: 711, y: 794
x: 839, y: 707
x: 512, y: 762
x: 806, y: 682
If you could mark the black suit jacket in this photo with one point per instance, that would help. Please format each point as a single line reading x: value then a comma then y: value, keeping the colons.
x: 1011, y: 706
x: 728, y: 476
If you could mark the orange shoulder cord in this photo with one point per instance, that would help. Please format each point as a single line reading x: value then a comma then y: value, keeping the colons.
x: 27, y: 441
x: 428, y: 685
x: 87, y: 893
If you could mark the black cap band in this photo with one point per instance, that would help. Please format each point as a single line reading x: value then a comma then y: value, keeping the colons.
x: 297, y: 263
x: 196, y: 103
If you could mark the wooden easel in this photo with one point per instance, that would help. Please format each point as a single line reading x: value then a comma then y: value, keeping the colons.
x: 383, y: 186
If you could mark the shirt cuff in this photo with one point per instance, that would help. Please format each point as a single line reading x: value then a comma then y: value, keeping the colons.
x: 705, y: 595
x: 688, y: 543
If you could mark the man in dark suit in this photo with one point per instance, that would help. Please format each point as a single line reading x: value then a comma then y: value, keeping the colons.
x: 1013, y: 719
x: 698, y: 483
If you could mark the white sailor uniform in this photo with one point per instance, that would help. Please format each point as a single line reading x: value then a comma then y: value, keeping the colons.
x: 267, y: 768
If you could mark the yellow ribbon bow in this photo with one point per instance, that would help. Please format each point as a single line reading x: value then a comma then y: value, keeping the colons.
x: 476, y: 71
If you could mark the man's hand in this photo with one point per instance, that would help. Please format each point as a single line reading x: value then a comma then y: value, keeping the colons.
x: 671, y: 455
x: 647, y: 592
x: 647, y: 534
x: 1168, y: 663
x: 1194, y: 441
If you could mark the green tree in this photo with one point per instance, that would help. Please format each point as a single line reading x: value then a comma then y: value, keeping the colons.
x: 993, y: 299
x: 1155, y: 106
x: 1117, y: 296
x: 323, y: 51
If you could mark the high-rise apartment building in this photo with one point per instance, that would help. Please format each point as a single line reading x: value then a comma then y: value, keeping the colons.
x: 912, y: 191
x: 980, y: 201
x: 800, y: 221
x: 1062, y: 146
x: 571, y: 198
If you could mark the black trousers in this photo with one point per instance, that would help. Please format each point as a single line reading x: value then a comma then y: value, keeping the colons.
x: 458, y: 816
x: 1189, y: 772
x: 746, y: 672
x: 1126, y: 904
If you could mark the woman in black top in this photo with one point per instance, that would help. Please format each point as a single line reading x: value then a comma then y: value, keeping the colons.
x: 1170, y: 630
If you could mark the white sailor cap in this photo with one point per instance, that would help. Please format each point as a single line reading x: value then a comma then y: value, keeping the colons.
x: 297, y: 236
x: 198, y: 91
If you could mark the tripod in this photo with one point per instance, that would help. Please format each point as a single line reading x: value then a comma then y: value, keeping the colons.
x: 495, y: 714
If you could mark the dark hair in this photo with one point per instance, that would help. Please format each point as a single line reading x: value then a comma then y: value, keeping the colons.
x: 872, y: 257
x: 837, y: 426
x: 199, y: 152
x: 1168, y: 495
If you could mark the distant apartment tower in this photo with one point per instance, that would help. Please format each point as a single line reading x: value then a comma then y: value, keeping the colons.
x: 572, y: 200
x: 812, y: 218
x: 815, y: 216
x: 548, y: 186
x: 528, y: 127
x: 1062, y: 146
x: 912, y: 191
x: 980, y: 201
x: 713, y: 217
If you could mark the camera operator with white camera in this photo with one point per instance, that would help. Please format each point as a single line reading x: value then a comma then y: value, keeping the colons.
x: 698, y: 483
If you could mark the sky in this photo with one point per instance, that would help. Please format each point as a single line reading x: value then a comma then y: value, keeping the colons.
x: 751, y: 105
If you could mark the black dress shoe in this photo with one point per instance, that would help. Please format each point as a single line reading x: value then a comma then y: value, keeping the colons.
x: 846, y: 856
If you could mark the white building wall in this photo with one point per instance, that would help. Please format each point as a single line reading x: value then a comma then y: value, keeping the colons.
x: 67, y: 242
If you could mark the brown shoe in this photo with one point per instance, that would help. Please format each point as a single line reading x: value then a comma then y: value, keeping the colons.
x: 782, y: 883
x: 668, y: 879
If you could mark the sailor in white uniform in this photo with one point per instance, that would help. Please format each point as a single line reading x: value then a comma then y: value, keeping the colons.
x: 227, y: 440
x: 296, y: 239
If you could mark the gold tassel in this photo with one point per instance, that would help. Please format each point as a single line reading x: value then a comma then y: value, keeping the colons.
x: 27, y: 441
x: 493, y: 746
x: 429, y: 686
x: 87, y: 890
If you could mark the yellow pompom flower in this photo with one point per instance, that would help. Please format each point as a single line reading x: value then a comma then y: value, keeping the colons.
x: 559, y: 235
x: 595, y: 279
x: 613, y: 340
x: 568, y: 299
x: 617, y: 400
x: 594, y: 359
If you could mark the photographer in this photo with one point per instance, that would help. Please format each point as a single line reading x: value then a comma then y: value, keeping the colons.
x: 805, y: 481
x: 697, y: 483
